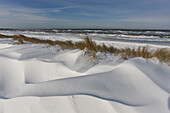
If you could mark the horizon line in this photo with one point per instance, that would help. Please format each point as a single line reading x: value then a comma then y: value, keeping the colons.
x: 149, y: 29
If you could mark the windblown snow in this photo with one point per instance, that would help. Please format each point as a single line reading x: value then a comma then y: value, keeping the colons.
x: 41, y: 79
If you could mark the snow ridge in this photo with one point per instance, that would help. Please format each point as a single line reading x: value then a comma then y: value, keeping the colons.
x: 136, y: 83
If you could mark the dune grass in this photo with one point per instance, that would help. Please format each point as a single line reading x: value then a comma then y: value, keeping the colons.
x: 164, y: 36
x: 162, y: 54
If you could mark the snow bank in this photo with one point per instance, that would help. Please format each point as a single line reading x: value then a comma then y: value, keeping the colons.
x: 40, y: 79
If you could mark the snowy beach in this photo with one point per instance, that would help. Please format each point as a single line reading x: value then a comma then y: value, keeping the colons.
x: 36, y: 78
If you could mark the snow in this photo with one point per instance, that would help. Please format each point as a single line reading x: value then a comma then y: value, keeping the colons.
x: 117, y: 40
x: 35, y: 78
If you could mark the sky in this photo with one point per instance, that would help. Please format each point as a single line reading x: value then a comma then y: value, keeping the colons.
x: 100, y: 14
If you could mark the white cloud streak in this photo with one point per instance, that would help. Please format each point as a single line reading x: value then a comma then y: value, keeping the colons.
x: 4, y: 12
x: 33, y: 17
x: 147, y: 19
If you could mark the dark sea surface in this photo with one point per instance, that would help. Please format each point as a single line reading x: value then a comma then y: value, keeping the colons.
x: 160, y: 33
x: 157, y: 37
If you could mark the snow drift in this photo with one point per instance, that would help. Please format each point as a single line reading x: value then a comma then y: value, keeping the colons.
x: 36, y: 78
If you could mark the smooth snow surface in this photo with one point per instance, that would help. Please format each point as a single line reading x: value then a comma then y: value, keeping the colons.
x: 41, y: 79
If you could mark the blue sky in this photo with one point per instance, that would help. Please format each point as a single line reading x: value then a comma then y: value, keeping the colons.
x: 115, y: 14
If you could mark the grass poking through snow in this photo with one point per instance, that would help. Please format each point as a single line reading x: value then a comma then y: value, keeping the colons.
x: 162, y: 54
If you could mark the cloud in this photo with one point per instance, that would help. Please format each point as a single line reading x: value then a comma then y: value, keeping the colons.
x: 56, y: 10
x: 63, y: 8
x: 87, y: 14
x: 22, y: 17
x: 27, y: 10
x: 4, y: 12
x: 25, y: 13
x: 148, y: 19
x: 82, y: 13
x: 69, y: 7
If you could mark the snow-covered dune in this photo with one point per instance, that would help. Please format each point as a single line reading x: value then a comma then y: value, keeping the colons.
x: 41, y: 79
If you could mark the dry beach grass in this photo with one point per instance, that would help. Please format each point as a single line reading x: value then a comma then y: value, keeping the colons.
x: 162, y: 54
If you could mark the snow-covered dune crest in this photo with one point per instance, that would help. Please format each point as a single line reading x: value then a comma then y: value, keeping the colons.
x: 120, y: 84
x: 41, y: 79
